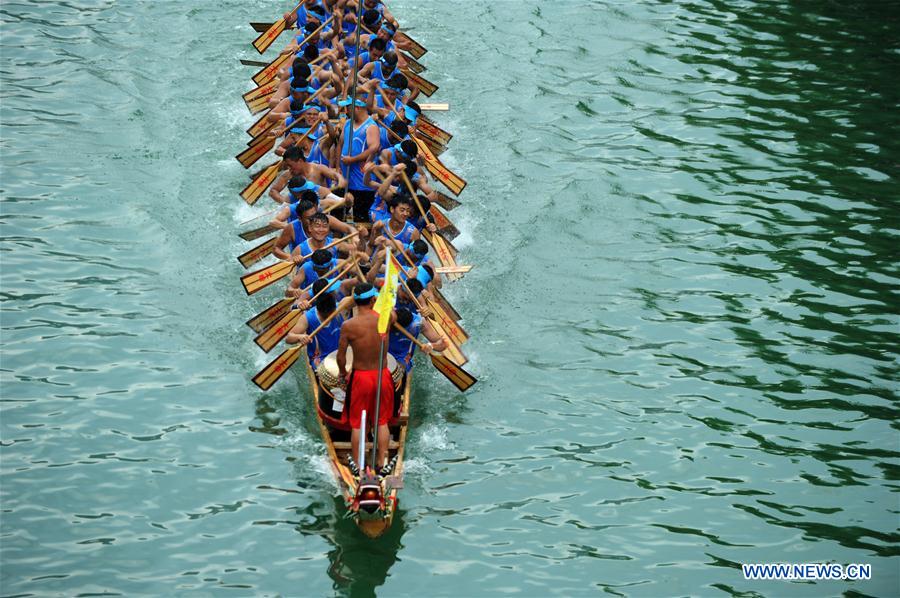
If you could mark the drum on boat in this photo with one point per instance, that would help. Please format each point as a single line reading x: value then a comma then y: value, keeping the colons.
x: 327, y: 371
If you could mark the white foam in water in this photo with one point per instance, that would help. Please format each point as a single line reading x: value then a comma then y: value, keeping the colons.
x: 465, y: 223
x: 433, y: 438
x: 416, y: 468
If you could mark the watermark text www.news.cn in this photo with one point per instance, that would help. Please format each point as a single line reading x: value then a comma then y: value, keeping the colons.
x: 790, y: 571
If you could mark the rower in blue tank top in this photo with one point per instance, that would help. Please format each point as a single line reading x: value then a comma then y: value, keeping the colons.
x: 397, y: 228
x: 326, y: 341
x: 399, y: 345
x: 292, y: 231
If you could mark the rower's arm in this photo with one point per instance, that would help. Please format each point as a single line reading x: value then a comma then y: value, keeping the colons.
x: 286, y: 236
x: 437, y: 341
x: 278, y: 186
x: 298, y: 331
x: 339, y: 225
x: 280, y: 220
x: 294, y: 289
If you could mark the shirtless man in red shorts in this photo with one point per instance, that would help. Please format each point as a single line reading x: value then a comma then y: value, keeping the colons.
x: 361, y: 334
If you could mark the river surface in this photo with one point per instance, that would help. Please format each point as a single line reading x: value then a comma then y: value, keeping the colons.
x: 683, y: 218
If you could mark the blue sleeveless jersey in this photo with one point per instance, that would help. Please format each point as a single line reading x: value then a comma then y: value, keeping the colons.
x: 358, y: 141
x: 326, y: 341
x: 401, y: 347
x: 405, y: 234
x: 305, y: 248
x: 299, y: 235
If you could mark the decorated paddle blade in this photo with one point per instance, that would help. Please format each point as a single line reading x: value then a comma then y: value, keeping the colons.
x: 460, y: 378
x: 248, y: 258
x: 271, y: 314
x: 251, y: 155
x: 266, y: 74
x: 260, y: 279
x: 252, y: 192
x: 445, y: 305
x: 262, y: 90
x: 451, y: 180
x: 450, y: 326
x: 267, y: 339
x: 427, y: 127
x: 413, y: 64
x: 270, y: 374
x: 267, y: 37
x: 259, y: 126
x: 424, y: 85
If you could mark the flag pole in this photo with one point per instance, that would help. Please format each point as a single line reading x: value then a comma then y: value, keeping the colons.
x: 375, y: 463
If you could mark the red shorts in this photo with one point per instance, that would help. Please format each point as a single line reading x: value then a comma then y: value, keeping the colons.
x: 361, y: 393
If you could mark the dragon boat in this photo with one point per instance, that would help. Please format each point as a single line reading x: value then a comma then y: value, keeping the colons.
x: 371, y: 498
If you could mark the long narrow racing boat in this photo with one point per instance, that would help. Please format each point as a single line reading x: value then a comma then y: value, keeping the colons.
x: 370, y: 492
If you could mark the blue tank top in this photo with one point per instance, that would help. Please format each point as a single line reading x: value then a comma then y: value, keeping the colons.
x: 305, y: 248
x: 401, y: 347
x: 378, y: 72
x: 379, y: 210
x: 326, y: 341
x: 355, y: 175
x: 405, y: 234
x: 299, y: 235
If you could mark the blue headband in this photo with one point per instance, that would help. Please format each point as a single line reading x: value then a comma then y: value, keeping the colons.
x: 384, y: 85
x: 327, y: 266
x: 348, y: 101
x: 307, y: 89
x: 367, y: 295
x: 389, y: 29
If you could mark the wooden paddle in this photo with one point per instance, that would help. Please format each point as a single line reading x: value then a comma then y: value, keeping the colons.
x: 460, y: 378
x: 266, y: 38
x: 257, y: 253
x: 256, y: 233
x: 267, y: 339
x: 253, y: 62
x: 262, y: 278
x: 266, y: 317
x: 453, y: 350
x: 270, y: 374
x: 437, y: 242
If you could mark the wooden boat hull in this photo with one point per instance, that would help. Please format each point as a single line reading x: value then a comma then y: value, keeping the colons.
x: 336, y: 435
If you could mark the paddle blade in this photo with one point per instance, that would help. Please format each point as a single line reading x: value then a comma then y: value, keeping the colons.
x: 259, y: 126
x: 248, y: 258
x: 266, y: 317
x: 259, y: 104
x: 445, y: 226
x: 445, y: 305
x: 445, y: 201
x: 450, y: 326
x: 270, y: 374
x: 266, y: 74
x: 260, y: 279
x: 460, y: 378
x: 249, y: 156
x: 413, y: 64
x: 252, y: 192
x: 424, y: 85
x: 451, y: 180
x: 436, y: 148
x: 260, y: 27
x: 267, y: 37
x: 426, y: 126
x: 262, y: 90
x: 273, y: 335
x: 416, y: 49
x: 256, y: 63
x: 256, y: 233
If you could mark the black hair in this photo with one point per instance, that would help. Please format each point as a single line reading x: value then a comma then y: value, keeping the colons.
x: 428, y: 269
x: 326, y: 303
x: 319, y: 285
x: 409, y: 148
x: 390, y: 57
x: 297, y: 181
x: 310, y: 196
x: 411, y: 168
x: 293, y: 153
x: 425, y: 202
x: 319, y: 217
x: 360, y: 289
x: 296, y: 105
x: 300, y: 69
x: 304, y: 206
x: 400, y: 128
x: 321, y: 258
x: 378, y: 44
x: 309, y: 28
x: 415, y: 106
x: 415, y: 285
x: 371, y: 17
x: 398, y: 80
x: 399, y: 199
x: 404, y: 317
x: 420, y: 247
x: 310, y: 52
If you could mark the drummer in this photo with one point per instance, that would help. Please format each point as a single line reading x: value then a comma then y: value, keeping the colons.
x: 361, y: 334
x: 326, y: 340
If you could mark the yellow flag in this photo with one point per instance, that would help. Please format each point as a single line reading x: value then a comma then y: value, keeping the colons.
x: 387, y: 296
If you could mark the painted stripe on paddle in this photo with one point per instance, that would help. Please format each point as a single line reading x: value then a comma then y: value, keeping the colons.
x: 260, y: 279
x: 257, y: 253
x: 264, y: 319
x: 271, y: 337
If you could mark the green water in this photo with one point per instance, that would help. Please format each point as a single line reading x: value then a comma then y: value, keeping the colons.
x: 683, y: 312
